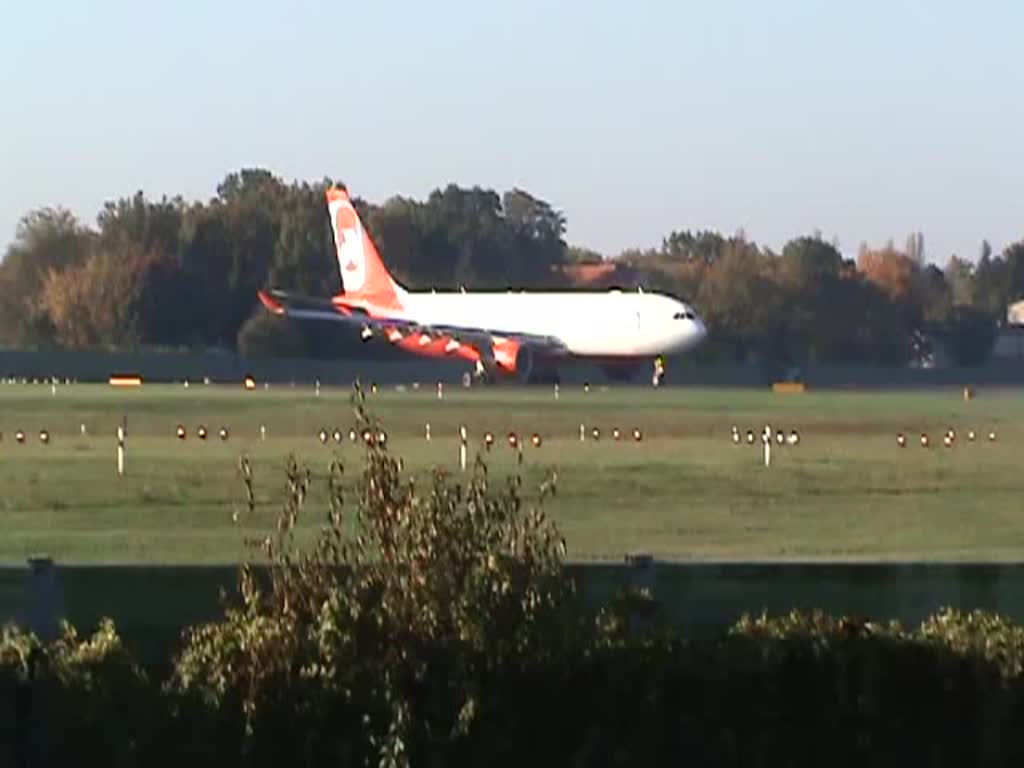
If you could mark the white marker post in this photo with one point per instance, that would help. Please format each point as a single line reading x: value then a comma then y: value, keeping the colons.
x: 427, y: 431
x: 462, y: 448
x: 120, y: 450
x: 583, y: 433
x: 263, y: 431
x: 440, y: 391
x: 556, y: 390
x: 53, y: 387
x: 766, y: 438
x: 318, y: 387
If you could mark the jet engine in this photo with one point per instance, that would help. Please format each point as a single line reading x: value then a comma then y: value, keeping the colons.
x: 514, y: 359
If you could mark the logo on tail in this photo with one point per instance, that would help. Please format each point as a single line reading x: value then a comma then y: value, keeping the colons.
x: 364, y: 278
x: 348, y: 239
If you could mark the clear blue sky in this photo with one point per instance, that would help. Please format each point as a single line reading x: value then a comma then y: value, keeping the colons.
x: 865, y: 119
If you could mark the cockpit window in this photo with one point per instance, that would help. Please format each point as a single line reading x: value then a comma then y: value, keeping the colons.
x: 685, y: 315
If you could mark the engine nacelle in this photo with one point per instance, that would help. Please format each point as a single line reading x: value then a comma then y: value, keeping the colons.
x: 514, y: 359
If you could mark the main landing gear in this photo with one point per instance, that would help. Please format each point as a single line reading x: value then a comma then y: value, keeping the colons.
x: 539, y: 373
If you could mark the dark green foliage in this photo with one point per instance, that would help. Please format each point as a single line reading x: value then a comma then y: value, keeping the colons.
x: 970, y: 335
x: 193, y: 270
x: 801, y: 690
x: 201, y: 264
x: 265, y: 335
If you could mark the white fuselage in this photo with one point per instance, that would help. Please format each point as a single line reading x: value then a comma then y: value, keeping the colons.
x: 612, y: 324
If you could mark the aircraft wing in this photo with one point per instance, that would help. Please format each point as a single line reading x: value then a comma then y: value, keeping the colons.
x: 396, y: 328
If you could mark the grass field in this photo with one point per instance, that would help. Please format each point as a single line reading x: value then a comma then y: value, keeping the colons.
x: 684, y: 492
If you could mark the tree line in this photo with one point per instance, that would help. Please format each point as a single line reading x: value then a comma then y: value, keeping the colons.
x: 176, y: 273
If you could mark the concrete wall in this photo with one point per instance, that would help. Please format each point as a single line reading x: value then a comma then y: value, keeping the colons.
x: 152, y: 604
x: 88, y: 366
x: 227, y: 367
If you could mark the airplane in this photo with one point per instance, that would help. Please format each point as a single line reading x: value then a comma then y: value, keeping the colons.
x: 512, y: 334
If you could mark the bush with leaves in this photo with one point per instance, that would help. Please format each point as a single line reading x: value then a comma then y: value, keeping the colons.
x: 83, y: 696
x: 380, y: 642
x: 983, y: 635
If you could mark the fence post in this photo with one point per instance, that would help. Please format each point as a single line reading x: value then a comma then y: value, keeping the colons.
x: 42, y: 598
x: 462, y: 447
x: 43, y: 610
x: 641, y: 589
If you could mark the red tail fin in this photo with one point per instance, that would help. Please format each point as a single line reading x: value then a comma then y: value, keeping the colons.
x: 363, y: 275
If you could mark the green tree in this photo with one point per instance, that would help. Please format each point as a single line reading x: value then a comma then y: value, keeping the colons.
x: 816, y: 311
x: 227, y: 251
x: 740, y: 303
x: 808, y: 260
x: 1014, y: 257
x: 150, y: 227
x: 304, y: 257
x: 992, y: 284
x: 705, y: 246
x: 538, y: 249
x: 970, y: 336
x: 935, y: 296
x: 397, y: 227
x: 959, y: 274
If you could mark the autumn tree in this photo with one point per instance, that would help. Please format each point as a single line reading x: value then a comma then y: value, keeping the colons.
x: 46, y: 240
x: 893, y: 271
x: 95, y: 303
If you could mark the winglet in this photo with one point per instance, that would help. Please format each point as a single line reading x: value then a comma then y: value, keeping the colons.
x: 337, y: 193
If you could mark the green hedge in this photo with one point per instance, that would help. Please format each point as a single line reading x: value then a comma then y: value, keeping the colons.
x: 798, y: 690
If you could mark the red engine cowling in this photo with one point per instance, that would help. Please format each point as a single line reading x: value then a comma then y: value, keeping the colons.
x: 513, y: 358
x: 434, y: 347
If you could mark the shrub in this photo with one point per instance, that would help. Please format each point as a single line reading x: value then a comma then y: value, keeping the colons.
x: 265, y: 335
x: 75, y: 697
x: 378, y: 642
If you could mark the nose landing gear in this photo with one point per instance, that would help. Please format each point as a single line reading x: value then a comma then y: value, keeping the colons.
x: 659, y: 371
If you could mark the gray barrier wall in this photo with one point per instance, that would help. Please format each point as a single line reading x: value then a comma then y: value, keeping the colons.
x: 151, y: 604
x: 405, y: 368
x: 89, y: 366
